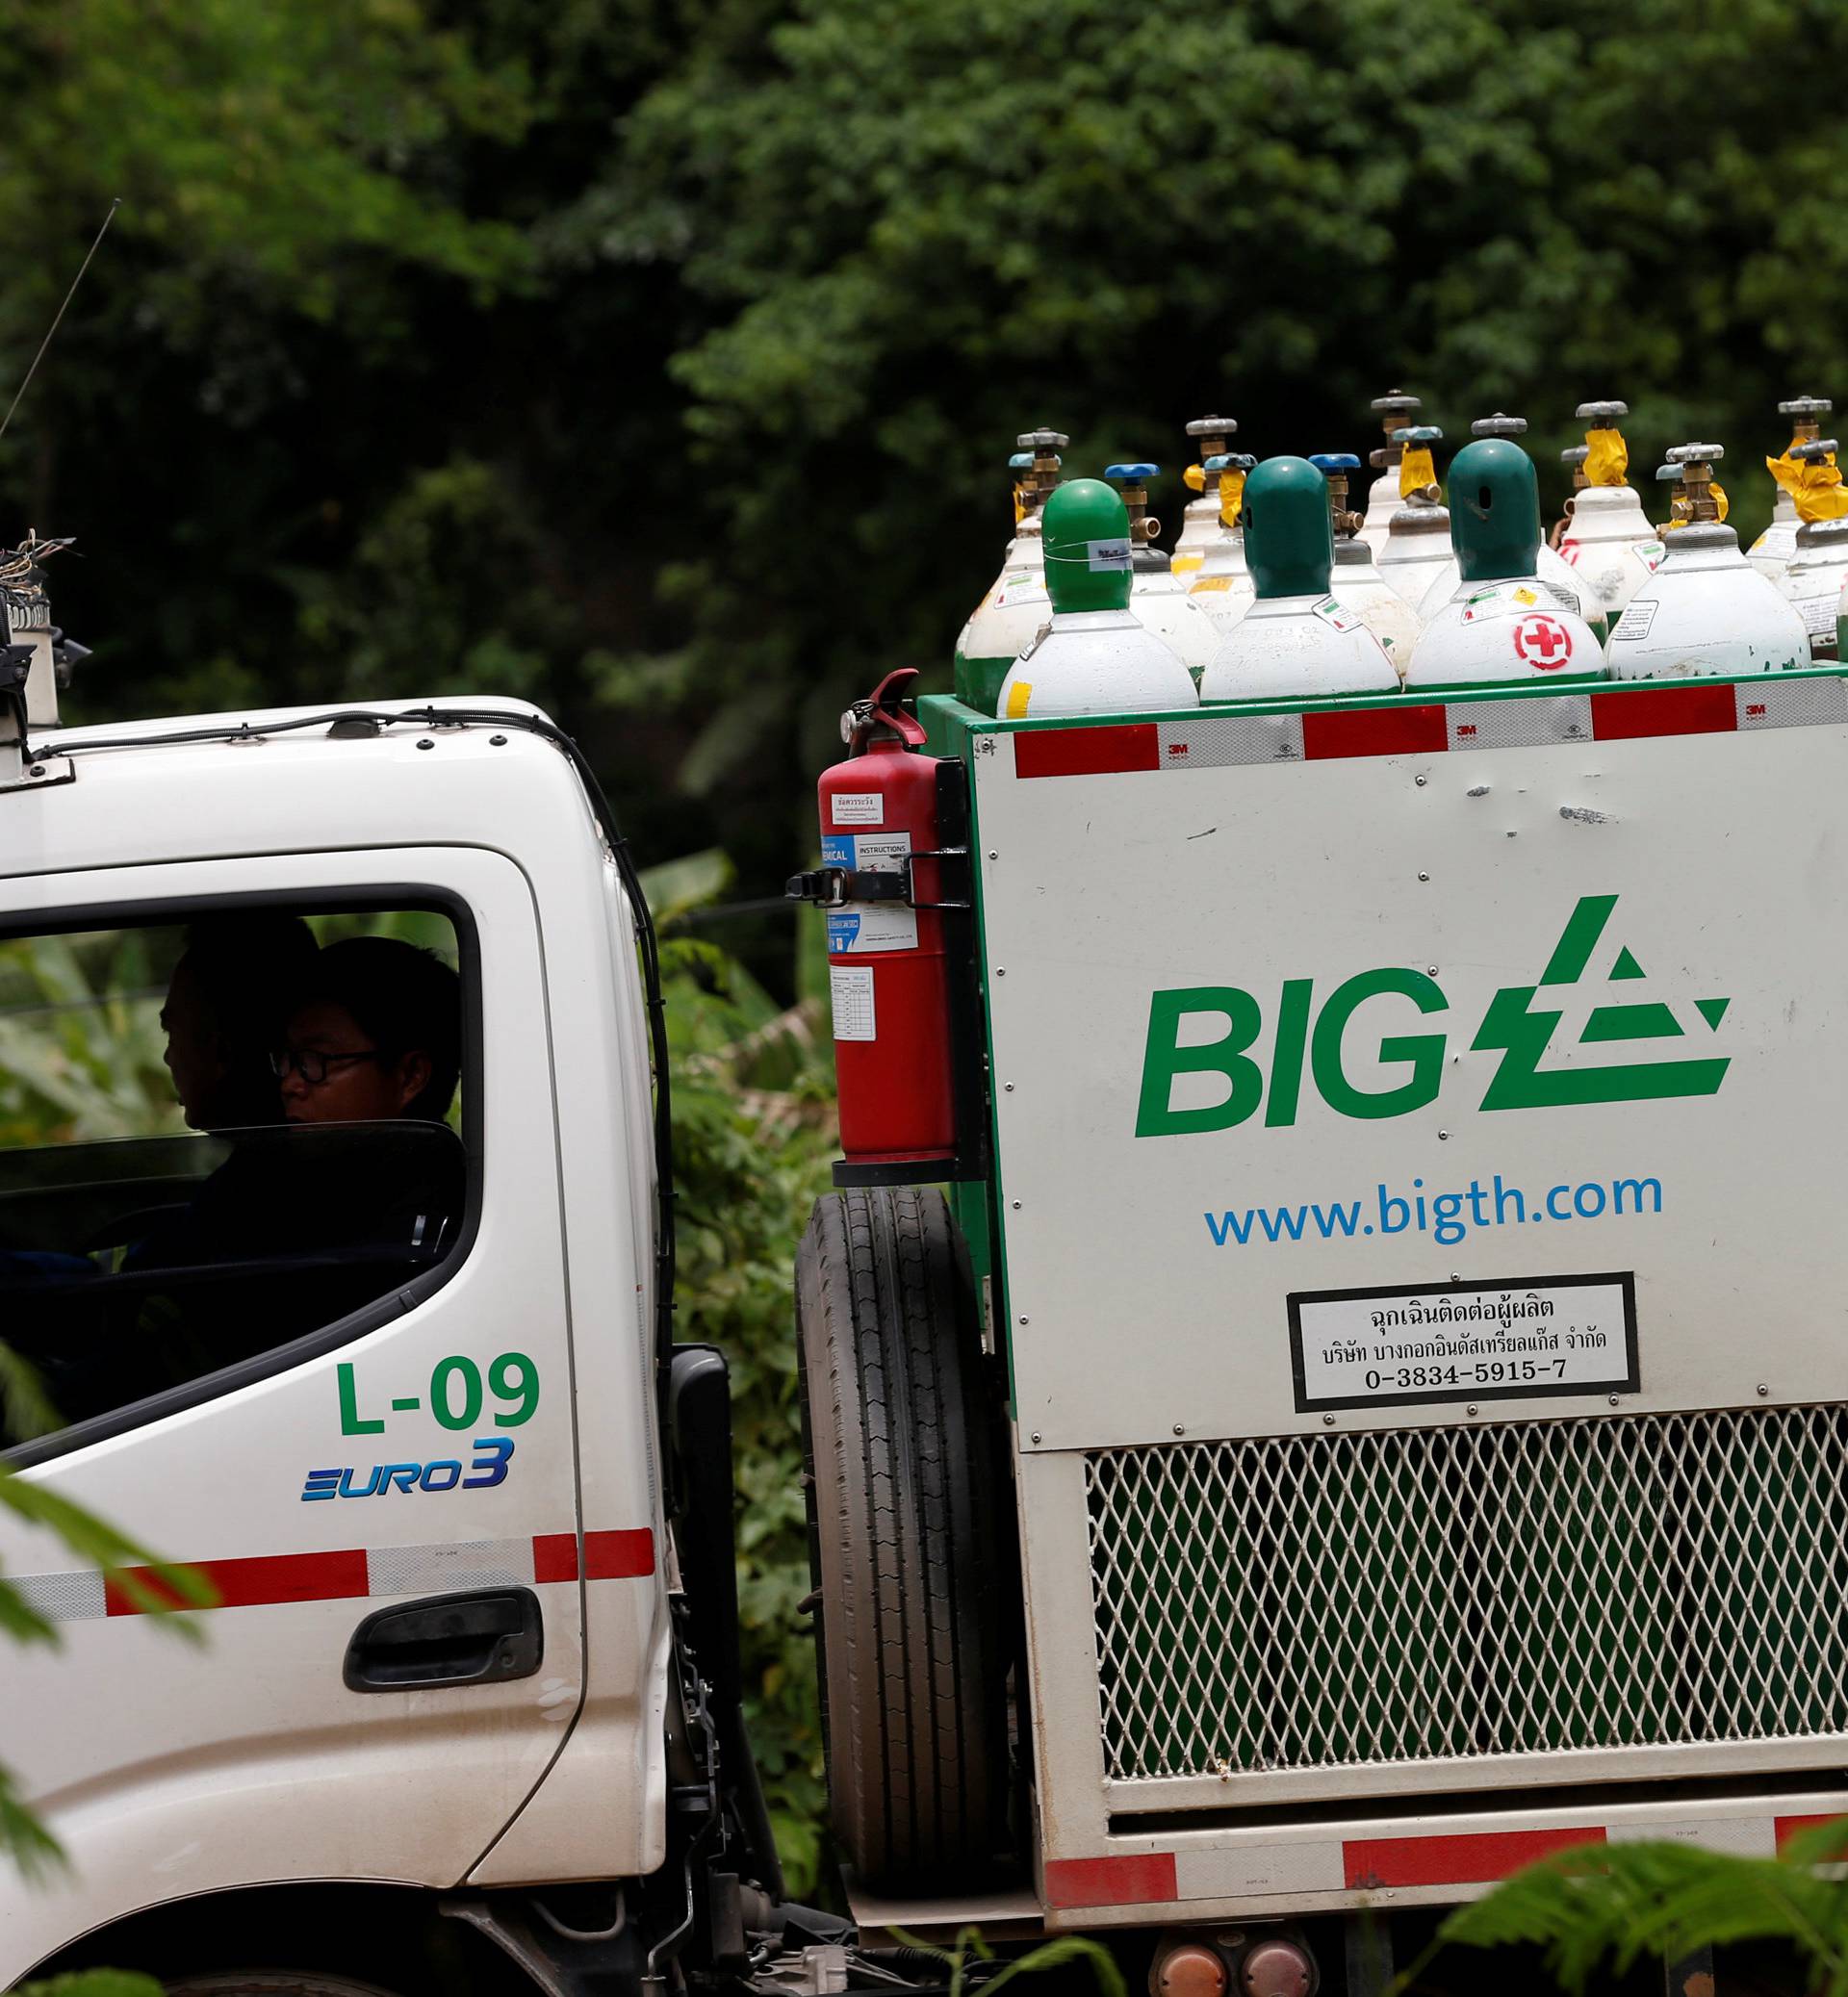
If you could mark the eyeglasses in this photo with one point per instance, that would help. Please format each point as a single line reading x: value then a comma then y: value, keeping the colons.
x: 313, y: 1065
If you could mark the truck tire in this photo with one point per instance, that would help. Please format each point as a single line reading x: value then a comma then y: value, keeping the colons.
x: 910, y: 1538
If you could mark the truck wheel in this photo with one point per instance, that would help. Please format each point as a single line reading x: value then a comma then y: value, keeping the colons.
x: 909, y: 1536
x: 271, y: 1983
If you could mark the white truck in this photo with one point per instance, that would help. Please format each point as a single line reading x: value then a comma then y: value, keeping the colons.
x: 1373, y: 1411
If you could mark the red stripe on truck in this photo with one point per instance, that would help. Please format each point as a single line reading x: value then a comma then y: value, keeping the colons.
x: 1709, y: 709
x: 255, y: 1582
x: 1086, y: 752
x: 1464, y: 1859
x: 1787, y: 1827
x: 615, y: 1556
x: 1132, y: 1881
x: 1375, y: 731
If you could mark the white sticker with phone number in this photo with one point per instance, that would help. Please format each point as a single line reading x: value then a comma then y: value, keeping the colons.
x: 1454, y: 1341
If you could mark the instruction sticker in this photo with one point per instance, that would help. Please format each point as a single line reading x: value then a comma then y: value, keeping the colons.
x: 859, y: 807
x: 850, y: 988
x: 870, y: 925
x: 1635, y: 620
x: 1519, y: 1340
x: 1820, y: 614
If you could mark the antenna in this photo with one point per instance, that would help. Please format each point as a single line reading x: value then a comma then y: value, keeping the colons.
x: 51, y: 331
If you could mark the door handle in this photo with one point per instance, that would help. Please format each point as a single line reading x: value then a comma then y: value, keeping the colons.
x: 483, y: 1638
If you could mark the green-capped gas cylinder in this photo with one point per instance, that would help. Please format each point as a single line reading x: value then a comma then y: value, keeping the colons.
x: 1155, y: 595
x: 1608, y: 541
x: 1097, y: 656
x: 1552, y: 571
x: 1775, y: 547
x: 1222, y: 588
x: 1706, y: 611
x: 1502, y: 623
x: 1295, y: 640
x: 1356, y: 584
x: 1396, y: 411
x: 1016, y: 604
x: 1201, y: 526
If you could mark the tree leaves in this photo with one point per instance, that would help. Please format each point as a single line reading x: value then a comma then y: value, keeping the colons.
x: 1612, y: 1907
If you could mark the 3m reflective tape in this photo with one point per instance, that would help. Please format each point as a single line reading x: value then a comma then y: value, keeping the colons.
x: 1134, y: 1880
x: 1614, y: 713
x: 1519, y: 724
x: 1466, y: 1858
x: 352, y: 1574
x: 1223, y: 741
x: 1788, y: 703
x: 1248, y: 1872
x: 1745, y: 1838
x: 487, y: 1563
x: 69, y: 1598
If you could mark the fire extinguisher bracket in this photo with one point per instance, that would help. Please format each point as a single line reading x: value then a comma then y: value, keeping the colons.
x: 834, y: 887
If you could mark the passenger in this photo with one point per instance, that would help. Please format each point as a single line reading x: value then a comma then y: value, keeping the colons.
x: 342, y: 1215
x: 377, y: 1036
x: 226, y: 1003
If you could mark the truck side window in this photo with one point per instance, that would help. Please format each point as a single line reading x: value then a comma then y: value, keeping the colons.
x: 219, y: 1138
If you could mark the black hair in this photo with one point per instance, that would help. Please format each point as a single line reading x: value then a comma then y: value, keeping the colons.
x: 248, y: 972
x: 404, y: 1000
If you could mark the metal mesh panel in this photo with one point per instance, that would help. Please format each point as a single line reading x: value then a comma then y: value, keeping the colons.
x: 1319, y: 1602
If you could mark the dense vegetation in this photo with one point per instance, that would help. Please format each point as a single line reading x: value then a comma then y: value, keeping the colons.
x: 657, y: 360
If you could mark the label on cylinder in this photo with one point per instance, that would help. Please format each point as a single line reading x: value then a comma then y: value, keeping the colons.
x: 1107, y: 555
x: 857, y: 808
x: 850, y: 988
x: 1639, y: 613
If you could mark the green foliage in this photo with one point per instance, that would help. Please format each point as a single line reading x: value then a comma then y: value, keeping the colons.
x: 95, y: 1982
x: 1616, y: 1905
x: 753, y: 1135
x: 1065, y: 1952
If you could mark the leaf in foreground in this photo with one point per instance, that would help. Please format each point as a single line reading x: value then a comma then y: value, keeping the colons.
x: 1616, y: 1904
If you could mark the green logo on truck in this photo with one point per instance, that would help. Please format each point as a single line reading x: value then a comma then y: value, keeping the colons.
x: 1312, y: 1040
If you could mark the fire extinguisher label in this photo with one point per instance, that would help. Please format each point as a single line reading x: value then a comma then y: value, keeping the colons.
x: 859, y: 807
x: 869, y: 926
x: 850, y: 987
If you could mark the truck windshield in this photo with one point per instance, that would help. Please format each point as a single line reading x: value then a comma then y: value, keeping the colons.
x: 215, y: 1139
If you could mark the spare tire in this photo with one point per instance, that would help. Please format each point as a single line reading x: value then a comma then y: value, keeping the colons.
x: 910, y: 1538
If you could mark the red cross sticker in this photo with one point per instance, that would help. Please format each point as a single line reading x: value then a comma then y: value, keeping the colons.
x: 1543, y: 642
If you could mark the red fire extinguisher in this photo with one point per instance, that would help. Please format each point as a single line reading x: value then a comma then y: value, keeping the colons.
x: 879, y: 884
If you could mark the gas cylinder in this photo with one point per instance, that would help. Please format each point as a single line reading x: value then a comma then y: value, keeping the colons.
x: 1775, y: 547
x: 1097, y: 656
x: 1573, y: 457
x: 1705, y: 610
x: 1418, y: 536
x: 1502, y: 623
x: 1295, y: 640
x: 1016, y: 604
x: 885, y: 948
x: 1813, y: 578
x: 1356, y: 584
x: 1200, y: 523
x: 1395, y: 410
x: 1156, y: 597
x: 1608, y: 541
x: 1222, y: 588
x: 1552, y: 571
